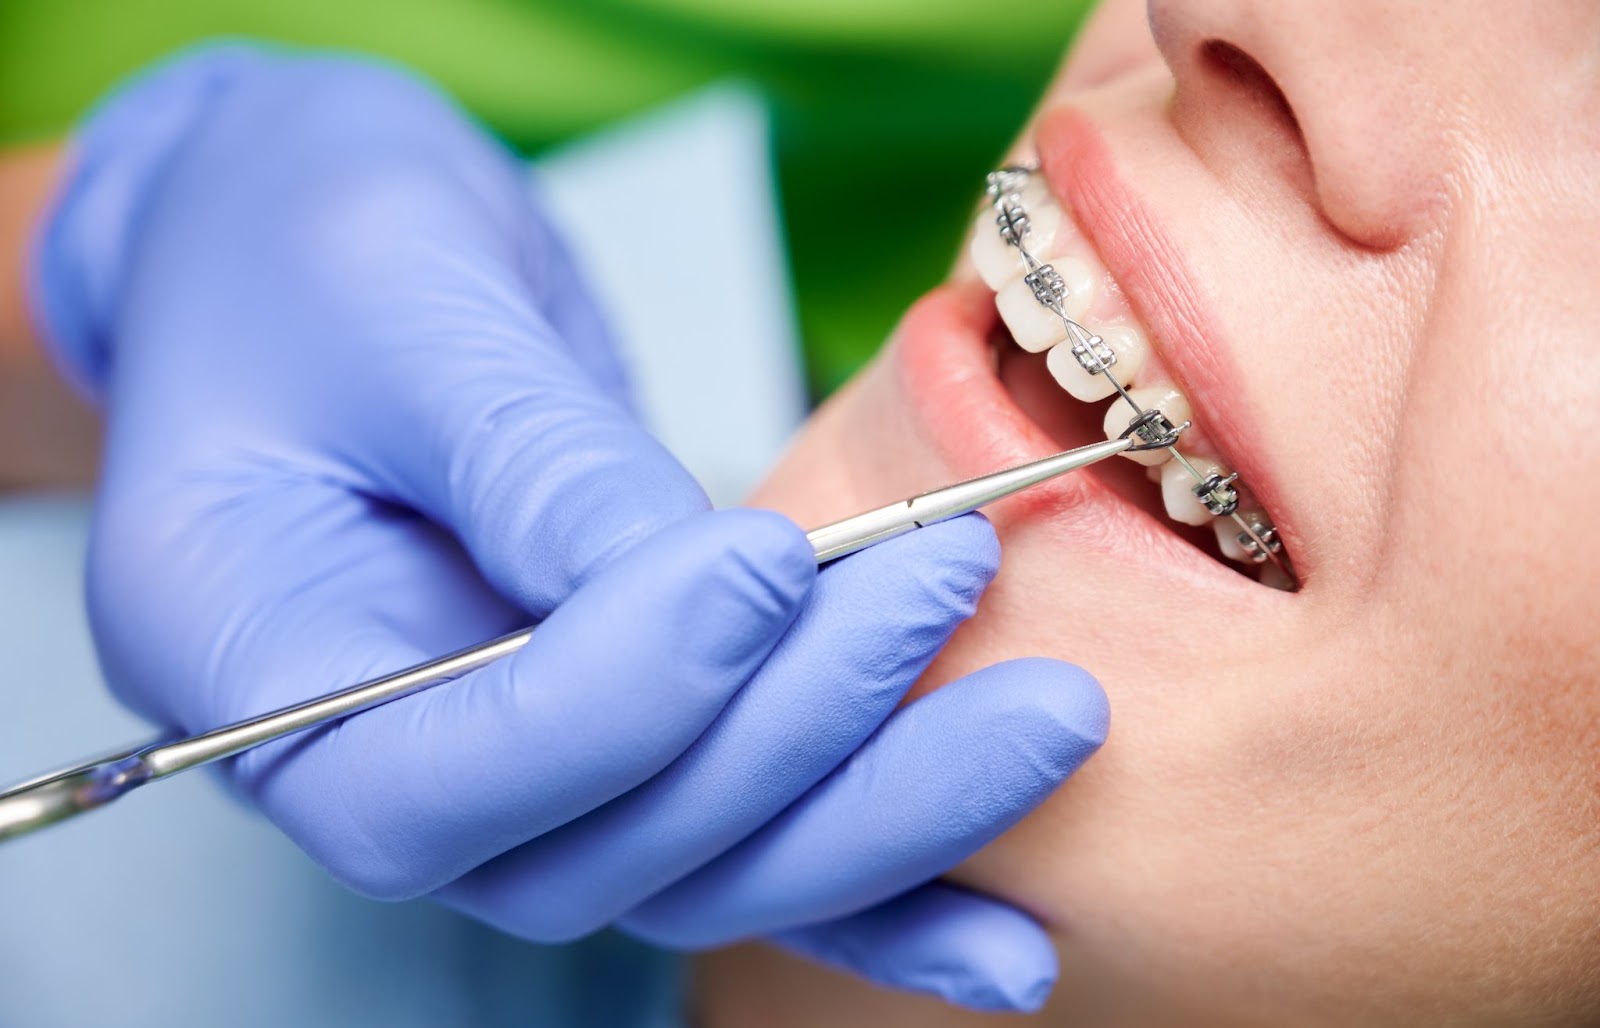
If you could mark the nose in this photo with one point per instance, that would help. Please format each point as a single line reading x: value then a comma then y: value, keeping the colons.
x: 1339, y: 93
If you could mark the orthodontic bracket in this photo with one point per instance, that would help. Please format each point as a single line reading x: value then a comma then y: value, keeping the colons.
x: 1013, y: 222
x: 1218, y: 493
x: 1091, y: 351
x: 1047, y: 284
x: 1155, y: 428
x: 1007, y: 181
x: 1260, y: 545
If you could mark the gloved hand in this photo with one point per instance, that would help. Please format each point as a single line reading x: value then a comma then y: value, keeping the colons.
x: 361, y: 412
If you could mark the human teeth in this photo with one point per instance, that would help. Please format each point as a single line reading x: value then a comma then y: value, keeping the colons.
x: 1228, y: 533
x: 1045, y: 283
x: 997, y: 261
x: 1177, y: 489
x: 1164, y: 398
x: 1127, y: 342
x: 1034, y: 326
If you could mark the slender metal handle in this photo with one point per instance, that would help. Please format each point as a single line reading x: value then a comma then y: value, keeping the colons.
x: 56, y: 796
x: 170, y: 758
x: 842, y: 538
x: 59, y: 795
x: 229, y: 740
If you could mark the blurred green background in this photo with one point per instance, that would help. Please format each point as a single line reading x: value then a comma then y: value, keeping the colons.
x: 887, y: 112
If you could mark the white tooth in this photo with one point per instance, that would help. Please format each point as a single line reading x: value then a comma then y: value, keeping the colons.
x: 1127, y: 342
x: 997, y: 261
x: 1163, y: 398
x: 1228, y: 532
x: 1177, y: 489
x: 1034, y: 326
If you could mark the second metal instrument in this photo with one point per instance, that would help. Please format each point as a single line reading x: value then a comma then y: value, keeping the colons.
x: 59, y: 795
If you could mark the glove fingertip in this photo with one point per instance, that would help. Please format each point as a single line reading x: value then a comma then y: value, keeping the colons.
x: 970, y: 545
x: 777, y: 541
x: 941, y: 940
x: 772, y: 553
x: 1064, y: 697
x: 1015, y: 991
x: 941, y: 570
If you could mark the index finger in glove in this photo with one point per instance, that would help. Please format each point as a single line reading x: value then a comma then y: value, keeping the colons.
x: 870, y: 626
x: 943, y: 777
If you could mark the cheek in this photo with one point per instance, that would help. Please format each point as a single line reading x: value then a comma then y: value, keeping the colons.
x: 1285, y: 831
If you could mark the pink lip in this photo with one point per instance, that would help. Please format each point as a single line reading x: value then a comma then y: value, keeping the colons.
x: 942, y: 353
x: 1081, y: 168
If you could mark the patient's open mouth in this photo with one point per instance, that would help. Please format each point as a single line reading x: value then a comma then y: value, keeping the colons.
x: 1064, y: 325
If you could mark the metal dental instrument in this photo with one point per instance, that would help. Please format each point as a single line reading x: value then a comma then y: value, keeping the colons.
x: 1220, y: 494
x: 59, y: 795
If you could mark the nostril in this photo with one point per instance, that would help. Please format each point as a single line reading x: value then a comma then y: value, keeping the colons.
x: 1245, y: 73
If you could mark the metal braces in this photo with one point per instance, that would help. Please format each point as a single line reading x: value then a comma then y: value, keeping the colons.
x: 1092, y: 353
x: 1155, y: 428
x: 1218, y: 493
x: 1261, y: 545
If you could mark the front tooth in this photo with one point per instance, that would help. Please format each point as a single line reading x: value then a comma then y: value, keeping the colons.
x: 1177, y: 489
x: 1228, y: 532
x: 1163, y: 398
x: 1034, y: 326
x: 1127, y: 342
x: 997, y: 261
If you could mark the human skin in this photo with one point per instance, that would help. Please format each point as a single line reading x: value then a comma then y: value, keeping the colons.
x: 1373, y: 801
x: 48, y: 437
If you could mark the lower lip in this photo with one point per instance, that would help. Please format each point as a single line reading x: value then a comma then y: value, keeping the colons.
x: 941, y: 353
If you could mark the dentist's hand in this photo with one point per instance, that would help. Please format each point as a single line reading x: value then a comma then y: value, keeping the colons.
x: 362, y: 412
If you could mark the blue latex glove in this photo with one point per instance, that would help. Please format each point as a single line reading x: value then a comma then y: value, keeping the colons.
x: 362, y: 412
